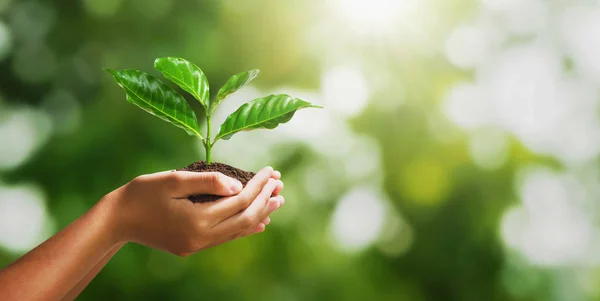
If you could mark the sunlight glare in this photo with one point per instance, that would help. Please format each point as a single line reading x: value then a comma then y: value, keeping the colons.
x: 374, y: 15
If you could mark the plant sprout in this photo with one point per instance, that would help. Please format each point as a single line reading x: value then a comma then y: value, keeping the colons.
x: 155, y: 97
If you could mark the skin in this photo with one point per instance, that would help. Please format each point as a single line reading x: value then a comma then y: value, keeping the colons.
x: 151, y: 210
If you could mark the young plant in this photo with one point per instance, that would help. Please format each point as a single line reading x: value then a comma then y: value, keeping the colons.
x: 155, y: 97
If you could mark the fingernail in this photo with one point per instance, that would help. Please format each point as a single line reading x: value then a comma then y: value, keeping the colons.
x: 236, y: 186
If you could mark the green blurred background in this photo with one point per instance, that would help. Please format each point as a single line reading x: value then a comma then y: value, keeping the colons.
x: 455, y: 159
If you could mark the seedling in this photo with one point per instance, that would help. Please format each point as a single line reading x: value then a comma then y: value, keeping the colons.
x: 155, y: 97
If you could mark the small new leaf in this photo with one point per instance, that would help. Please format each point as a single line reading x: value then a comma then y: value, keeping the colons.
x: 156, y: 98
x: 267, y: 112
x: 187, y: 76
x: 233, y: 84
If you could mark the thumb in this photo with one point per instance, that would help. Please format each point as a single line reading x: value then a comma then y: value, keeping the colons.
x: 186, y: 183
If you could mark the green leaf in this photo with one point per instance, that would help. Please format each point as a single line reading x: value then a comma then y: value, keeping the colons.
x: 233, y: 84
x: 267, y: 112
x: 155, y: 97
x: 187, y: 76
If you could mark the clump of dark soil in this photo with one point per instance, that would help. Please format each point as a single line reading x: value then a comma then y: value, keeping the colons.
x: 230, y: 171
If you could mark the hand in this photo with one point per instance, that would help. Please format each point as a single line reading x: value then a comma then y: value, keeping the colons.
x: 153, y: 210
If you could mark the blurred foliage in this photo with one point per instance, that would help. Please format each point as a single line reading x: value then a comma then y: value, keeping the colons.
x: 453, y: 206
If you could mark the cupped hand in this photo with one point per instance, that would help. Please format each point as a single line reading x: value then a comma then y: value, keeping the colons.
x: 153, y: 209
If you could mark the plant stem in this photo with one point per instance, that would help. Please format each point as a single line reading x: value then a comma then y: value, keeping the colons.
x: 208, y: 145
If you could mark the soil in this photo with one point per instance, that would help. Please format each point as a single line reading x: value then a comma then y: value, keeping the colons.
x: 200, y: 166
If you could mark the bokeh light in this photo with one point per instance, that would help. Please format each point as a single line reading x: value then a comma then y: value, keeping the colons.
x: 469, y: 45
x: 358, y: 219
x: 31, y: 21
x: 35, y: 64
x: 488, y: 148
x: 455, y: 157
x: 397, y: 235
x: 580, y: 33
x: 466, y: 106
x: 102, y: 8
x: 5, y: 41
x: 151, y: 9
x: 551, y: 229
x: 24, y: 130
x: 425, y: 181
x: 23, y: 219
x: 345, y: 90
x: 64, y: 111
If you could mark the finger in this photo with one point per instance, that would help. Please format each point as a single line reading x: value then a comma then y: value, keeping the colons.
x: 277, y: 176
x: 282, y: 200
x: 250, y: 217
x: 263, y: 205
x: 230, y: 229
x: 256, y: 184
x: 278, y: 190
x: 186, y: 183
x: 273, y: 204
x: 227, y: 207
x: 258, y: 229
x: 162, y: 173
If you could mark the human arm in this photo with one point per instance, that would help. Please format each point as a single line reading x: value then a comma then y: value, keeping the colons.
x: 151, y: 211
x: 75, y: 291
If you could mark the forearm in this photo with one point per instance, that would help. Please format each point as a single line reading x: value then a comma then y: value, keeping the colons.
x: 53, y: 268
x: 83, y: 283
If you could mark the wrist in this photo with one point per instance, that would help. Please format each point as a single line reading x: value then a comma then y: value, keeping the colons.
x: 113, y: 228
